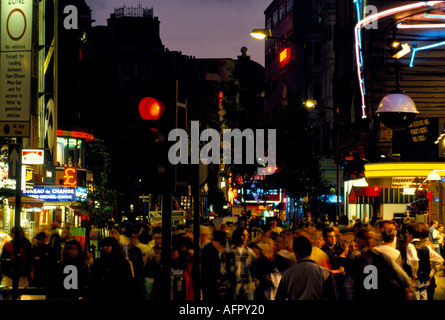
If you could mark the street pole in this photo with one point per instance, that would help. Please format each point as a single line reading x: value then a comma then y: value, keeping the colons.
x: 196, y: 238
x: 18, y: 209
x: 166, y: 250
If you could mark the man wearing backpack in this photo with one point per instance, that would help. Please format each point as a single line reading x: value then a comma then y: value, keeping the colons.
x: 422, y: 261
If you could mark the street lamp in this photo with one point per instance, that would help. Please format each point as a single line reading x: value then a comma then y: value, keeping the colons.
x: 261, y: 34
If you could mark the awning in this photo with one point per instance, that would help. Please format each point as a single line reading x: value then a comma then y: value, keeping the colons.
x: 27, y: 202
x: 364, y: 195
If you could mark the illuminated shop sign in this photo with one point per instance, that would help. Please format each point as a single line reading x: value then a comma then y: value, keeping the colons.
x: 32, y: 156
x: 52, y: 193
x: 284, y: 56
x: 258, y: 195
x: 70, y: 176
x: 81, y: 194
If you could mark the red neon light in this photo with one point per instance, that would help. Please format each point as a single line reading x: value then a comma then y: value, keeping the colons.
x: 284, y: 55
x: 220, y: 98
x: 76, y: 134
x: 70, y: 176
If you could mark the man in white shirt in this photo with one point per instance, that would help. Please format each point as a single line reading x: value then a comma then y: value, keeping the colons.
x: 422, y: 260
x: 388, y: 236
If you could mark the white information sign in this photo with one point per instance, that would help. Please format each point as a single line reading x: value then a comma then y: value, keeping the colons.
x: 15, y: 62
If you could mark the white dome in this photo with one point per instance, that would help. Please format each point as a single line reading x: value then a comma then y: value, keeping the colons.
x: 397, y: 102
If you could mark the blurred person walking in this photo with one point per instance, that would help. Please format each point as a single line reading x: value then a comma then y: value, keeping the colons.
x: 111, y: 273
x: 306, y: 280
x: 237, y: 265
x: 372, y: 275
x: 25, y: 263
x: 71, y: 277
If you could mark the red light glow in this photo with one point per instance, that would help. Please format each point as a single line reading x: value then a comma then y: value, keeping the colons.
x: 150, y: 109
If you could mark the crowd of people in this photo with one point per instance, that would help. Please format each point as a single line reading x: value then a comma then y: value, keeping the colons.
x: 346, y: 261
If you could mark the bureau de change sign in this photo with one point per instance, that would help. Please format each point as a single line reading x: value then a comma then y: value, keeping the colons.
x: 15, y: 67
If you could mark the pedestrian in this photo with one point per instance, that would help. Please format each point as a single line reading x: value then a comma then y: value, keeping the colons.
x: 330, y: 240
x: 372, y: 275
x: 111, y: 273
x: 40, y: 251
x: 71, y: 277
x: 210, y: 265
x: 181, y: 268
x: 136, y: 258
x: 25, y: 263
x: 153, y: 272
x: 440, y: 228
x: 387, y: 247
x: 433, y: 235
x: 422, y: 261
x: 237, y: 266
x: 398, y: 242
x: 124, y: 241
x: 156, y: 241
x: 306, y: 280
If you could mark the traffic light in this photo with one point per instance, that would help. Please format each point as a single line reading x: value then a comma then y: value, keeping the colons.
x: 157, y: 117
x: 151, y: 109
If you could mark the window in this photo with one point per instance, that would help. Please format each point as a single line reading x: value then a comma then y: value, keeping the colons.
x: 70, y: 152
x: 282, y: 10
x: 275, y: 18
x: 290, y: 4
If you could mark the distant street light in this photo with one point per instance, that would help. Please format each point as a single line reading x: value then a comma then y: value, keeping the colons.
x: 310, y: 103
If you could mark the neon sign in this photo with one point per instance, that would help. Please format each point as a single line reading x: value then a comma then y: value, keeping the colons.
x: 284, y: 56
x: 358, y: 42
x: 70, y: 176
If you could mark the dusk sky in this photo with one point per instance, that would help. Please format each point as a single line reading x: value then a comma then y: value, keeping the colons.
x: 200, y: 28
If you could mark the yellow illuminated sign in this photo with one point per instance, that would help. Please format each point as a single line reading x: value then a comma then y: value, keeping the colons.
x: 402, y: 169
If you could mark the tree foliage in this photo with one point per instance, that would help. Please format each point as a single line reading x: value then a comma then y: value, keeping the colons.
x: 101, y: 198
x: 299, y: 170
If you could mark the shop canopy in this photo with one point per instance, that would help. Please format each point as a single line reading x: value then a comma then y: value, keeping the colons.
x: 27, y: 202
x: 362, y: 195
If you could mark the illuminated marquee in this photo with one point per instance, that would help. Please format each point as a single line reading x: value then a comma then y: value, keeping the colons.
x: 52, y: 193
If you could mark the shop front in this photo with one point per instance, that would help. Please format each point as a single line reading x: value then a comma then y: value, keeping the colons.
x: 392, y: 188
x: 30, y: 216
x: 59, y: 203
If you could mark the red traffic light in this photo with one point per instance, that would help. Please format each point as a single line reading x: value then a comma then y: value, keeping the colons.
x: 151, y: 109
